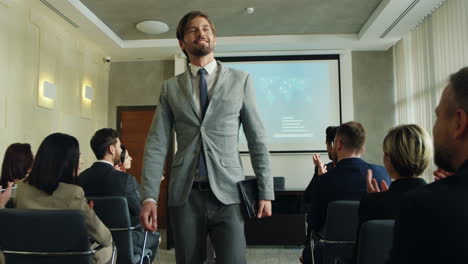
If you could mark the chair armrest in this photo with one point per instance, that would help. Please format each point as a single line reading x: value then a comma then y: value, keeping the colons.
x: 124, y: 228
x: 38, y: 253
x: 331, y: 242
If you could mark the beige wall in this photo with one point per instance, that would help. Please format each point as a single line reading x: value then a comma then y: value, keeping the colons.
x: 370, y: 98
x: 36, y: 45
x: 374, y: 98
x: 136, y: 83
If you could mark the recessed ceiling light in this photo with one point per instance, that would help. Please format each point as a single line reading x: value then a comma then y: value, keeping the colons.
x: 249, y: 10
x: 152, y: 27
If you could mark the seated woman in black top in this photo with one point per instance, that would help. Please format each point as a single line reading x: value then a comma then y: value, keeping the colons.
x: 407, y: 153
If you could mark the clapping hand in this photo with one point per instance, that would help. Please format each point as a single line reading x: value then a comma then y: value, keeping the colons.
x: 322, y: 168
x: 372, y: 185
x: 441, y: 174
x: 5, y: 195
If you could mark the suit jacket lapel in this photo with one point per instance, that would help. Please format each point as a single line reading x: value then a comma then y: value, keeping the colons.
x: 222, y: 77
x: 185, y: 84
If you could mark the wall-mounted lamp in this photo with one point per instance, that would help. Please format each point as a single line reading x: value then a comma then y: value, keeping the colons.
x: 50, y: 90
x: 89, y: 92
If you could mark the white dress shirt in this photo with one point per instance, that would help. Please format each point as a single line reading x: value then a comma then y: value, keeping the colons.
x: 211, y: 76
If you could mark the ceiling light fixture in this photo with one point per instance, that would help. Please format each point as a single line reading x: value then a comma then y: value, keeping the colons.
x: 152, y: 27
x: 249, y: 10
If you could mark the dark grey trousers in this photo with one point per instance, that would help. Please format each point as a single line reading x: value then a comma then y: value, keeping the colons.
x: 202, y: 215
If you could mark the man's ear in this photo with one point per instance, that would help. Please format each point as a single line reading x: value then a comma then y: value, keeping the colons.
x: 181, y: 44
x: 461, y: 119
x: 339, y: 144
x: 112, y: 149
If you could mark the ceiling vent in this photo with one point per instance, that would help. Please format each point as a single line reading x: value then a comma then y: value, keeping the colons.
x: 413, y: 4
x: 59, y: 13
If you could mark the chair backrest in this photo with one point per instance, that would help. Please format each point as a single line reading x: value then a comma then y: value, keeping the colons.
x: 53, y: 231
x: 375, y: 241
x: 342, y: 221
x: 113, y: 212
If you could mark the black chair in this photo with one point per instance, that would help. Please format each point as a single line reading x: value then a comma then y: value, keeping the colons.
x: 375, y: 241
x: 44, y: 236
x: 340, y: 231
x: 113, y: 212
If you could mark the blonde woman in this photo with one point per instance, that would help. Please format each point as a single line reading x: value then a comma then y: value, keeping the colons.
x: 407, y: 154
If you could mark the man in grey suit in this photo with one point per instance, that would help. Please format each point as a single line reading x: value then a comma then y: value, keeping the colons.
x: 205, y: 106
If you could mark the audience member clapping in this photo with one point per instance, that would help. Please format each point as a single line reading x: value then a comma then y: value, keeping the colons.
x: 17, y: 163
x: 432, y: 225
x: 346, y: 181
x: 320, y: 167
x: 407, y: 152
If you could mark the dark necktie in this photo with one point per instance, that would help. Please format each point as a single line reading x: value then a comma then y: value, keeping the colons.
x: 202, y: 171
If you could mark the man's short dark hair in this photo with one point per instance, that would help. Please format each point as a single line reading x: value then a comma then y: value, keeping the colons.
x: 459, y: 86
x: 102, y: 139
x: 352, y: 134
x: 331, y: 133
x: 181, y: 27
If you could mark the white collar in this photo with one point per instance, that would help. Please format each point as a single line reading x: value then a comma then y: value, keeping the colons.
x: 210, y: 68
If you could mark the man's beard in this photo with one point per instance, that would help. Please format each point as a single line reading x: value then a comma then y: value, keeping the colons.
x: 116, y: 160
x: 200, y: 52
x: 443, y: 158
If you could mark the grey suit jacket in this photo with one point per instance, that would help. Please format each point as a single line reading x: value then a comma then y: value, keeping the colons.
x: 232, y: 104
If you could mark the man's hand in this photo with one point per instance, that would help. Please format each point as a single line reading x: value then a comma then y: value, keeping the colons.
x: 91, y: 204
x: 440, y: 174
x: 264, y: 208
x: 372, y: 185
x: 148, y: 216
x: 322, y: 168
x: 5, y: 195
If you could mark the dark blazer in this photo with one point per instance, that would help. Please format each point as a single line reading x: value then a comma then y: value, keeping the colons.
x: 347, y: 181
x: 432, y: 226
x: 386, y: 205
x: 101, y: 179
x: 307, y: 198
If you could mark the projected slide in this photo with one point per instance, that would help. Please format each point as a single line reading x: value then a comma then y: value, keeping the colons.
x: 297, y: 100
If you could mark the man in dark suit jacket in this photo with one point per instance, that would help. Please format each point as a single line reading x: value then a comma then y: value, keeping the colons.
x: 347, y: 181
x: 102, y: 179
x: 433, y: 223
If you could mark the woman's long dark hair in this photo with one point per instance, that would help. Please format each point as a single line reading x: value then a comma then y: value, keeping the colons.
x: 17, y: 162
x: 56, y: 161
x: 123, y: 153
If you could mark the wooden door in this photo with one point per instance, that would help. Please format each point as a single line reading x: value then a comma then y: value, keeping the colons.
x: 133, y: 123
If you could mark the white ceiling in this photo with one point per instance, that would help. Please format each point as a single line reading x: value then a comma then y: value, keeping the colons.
x: 376, y: 28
